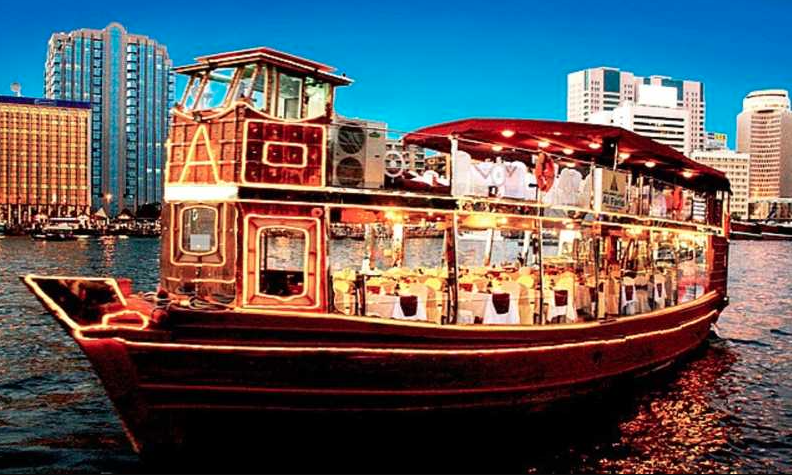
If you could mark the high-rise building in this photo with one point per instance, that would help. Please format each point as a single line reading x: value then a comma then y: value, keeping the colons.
x: 44, y: 157
x: 603, y: 89
x: 128, y: 81
x: 655, y: 114
x: 764, y: 130
x: 736, y: 166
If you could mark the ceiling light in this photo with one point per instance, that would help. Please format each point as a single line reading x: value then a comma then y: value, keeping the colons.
x: 507, y: 133
x: 687, y: 174
x: 567, y: 151
x: 624, y: 155
x: 650, y: 164
x: 594, y: 145
x: 544, y: 143
x: 497, y: 148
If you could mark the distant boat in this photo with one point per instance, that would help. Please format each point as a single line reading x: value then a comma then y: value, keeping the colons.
x: 482, y: 235
x: 58, y: 232
x: 756, y: 231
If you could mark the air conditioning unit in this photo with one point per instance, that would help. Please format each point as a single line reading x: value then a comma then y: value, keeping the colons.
x: 358, y: 153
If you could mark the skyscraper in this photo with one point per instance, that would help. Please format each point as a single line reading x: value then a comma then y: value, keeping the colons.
x: 655, y: 114
x: 129, y: 83
x: 764, y: 130
x: 603, y: 89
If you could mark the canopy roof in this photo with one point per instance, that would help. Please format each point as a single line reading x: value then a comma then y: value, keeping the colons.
x: 262, y: 54
x: 577, y: 141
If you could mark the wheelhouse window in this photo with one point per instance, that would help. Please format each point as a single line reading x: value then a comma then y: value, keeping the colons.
x: 282, y: 266
x: 192, y: 92
x: 317, y: 93
x: 251, y: 85
x: 199, y: 230
x: 216, y: 89
x: 289, y: 97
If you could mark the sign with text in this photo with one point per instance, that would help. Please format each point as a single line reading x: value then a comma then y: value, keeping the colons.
x: 612, y: 190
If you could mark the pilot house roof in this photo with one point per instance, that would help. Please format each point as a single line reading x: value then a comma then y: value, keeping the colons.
x: 262, y: 54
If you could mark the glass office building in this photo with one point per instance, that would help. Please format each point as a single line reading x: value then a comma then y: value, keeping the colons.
x: 129, y: 82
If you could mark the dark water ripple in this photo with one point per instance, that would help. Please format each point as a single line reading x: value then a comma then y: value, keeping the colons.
x: 727, y: 409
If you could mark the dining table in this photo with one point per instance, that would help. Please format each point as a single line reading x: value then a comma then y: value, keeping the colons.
x: 389, y: 306
x: 480, y: 304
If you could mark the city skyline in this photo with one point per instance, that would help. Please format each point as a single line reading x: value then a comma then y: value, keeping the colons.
x: 422, y: 74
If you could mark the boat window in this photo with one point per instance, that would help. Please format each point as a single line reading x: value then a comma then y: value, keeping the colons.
x: 560, y: 277
x: 192, y: 92
x: 199, y: 230
x: 399, y: 258
x: 692, y: 268
x: 665, y: 258
x: 216, y: 89
x: 252, y: 81
x: 498, y: 269
x: 289, y: 99
x: 283, y: 252
x: 318, y: 94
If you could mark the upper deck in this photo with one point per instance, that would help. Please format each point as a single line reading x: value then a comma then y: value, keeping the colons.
x: 255, y: 121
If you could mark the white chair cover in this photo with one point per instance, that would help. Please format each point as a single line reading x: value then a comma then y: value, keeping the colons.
x: 659, y: 287
x: 555, y: 310
x: 566, y: 281
x: 642, y: 294
x: 517, y: 300
x: 629, y: 300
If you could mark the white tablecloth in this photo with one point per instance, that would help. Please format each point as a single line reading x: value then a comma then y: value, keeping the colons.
x: 389, y: 306
x: 480, y: 305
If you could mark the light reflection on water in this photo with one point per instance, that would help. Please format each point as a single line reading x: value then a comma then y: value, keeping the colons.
x: 729, y: 408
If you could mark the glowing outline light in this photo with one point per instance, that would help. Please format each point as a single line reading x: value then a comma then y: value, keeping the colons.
x: 215, y: 228
x: 188, y: 162
x: 304, y: 161
x: 220, y: 247
x: 305, y: 269
x: 280, y: 122
x: 247, y: 298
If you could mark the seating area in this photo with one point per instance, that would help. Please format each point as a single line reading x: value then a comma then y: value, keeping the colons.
x: 509, y: 271
x: 498, y: 295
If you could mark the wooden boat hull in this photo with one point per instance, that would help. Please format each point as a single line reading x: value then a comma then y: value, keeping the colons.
x: 230, y: 363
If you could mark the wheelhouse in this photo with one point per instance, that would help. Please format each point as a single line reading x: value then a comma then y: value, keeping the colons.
x: 277, y: 205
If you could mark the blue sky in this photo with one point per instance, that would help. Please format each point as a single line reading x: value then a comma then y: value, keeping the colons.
x: 421, y: 62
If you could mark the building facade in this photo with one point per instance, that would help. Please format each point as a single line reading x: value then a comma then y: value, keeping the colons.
x: 654, y: 115
x: 603, y: 89
x: 129, y: 83
x: 736, y: 166
x: 414, y: 157
x: 764, y: 130
x: 44, y: 158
